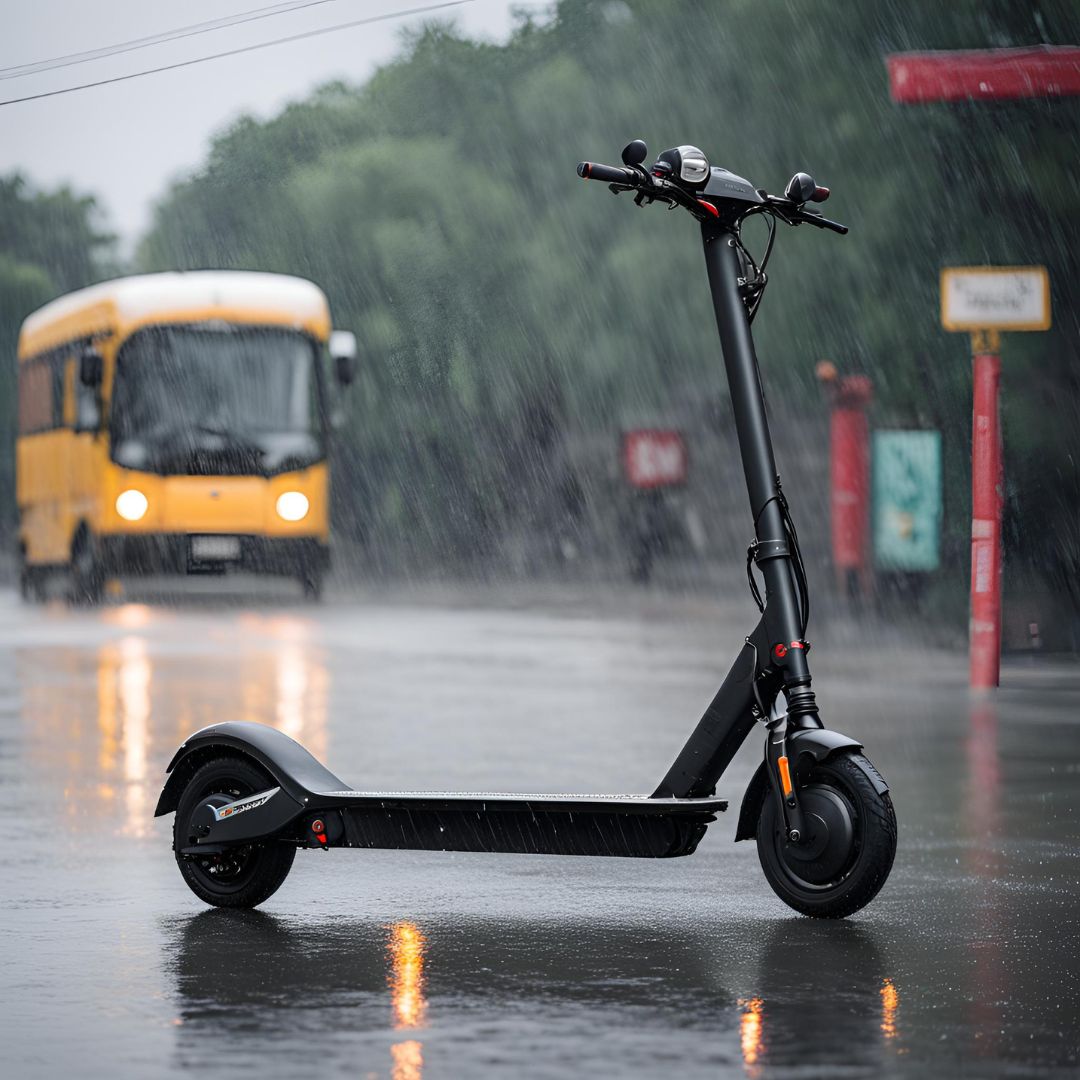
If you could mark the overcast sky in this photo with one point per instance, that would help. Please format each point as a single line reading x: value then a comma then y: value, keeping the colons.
x: 124, y: 142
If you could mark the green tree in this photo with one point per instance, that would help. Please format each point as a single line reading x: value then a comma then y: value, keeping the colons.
x: 50, y: 243
x: 495, y: 296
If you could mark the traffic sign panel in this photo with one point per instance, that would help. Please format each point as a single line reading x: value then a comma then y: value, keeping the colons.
x: 995, y: 298
x: 907, y: 499
x: 654, y: 458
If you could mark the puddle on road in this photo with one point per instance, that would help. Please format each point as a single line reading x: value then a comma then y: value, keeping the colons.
x: 425, y: 992
x: 379, y: 963
x: 102, y: 721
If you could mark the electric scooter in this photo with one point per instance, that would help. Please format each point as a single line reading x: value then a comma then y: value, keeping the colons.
x: 246, y: 797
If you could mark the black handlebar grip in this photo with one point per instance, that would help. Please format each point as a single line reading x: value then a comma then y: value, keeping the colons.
x: 587, y: 170
x: 823, y: 223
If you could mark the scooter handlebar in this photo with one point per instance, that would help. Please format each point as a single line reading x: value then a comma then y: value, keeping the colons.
x: 821, y: 222
x: 628, y: 177
x: 609, y: 174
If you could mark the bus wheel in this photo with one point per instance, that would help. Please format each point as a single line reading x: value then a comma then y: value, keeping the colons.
x: 87, y: 577
x: 311, y: 581
x: 30, y: 584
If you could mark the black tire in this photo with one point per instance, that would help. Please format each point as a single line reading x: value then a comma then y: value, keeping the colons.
x: 851, y: 842
x: 87, y: 577
x: 641, y: 565
x: 242, y: 877
x: 30, y: 587
x: 311, y: 582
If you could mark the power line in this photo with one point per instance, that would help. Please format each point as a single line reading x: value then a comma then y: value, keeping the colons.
x: 236, y: 52
x: 69, y: 59
x: 52, y: 63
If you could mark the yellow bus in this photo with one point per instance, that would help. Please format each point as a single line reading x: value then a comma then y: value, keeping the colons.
x: 176, y: 423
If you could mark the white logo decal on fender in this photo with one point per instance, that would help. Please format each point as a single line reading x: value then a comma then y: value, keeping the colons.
x: 250, y: 803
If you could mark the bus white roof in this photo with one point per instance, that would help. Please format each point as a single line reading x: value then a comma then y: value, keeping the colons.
x: 137, y: 299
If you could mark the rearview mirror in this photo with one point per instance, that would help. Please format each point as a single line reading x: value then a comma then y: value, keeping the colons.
x: 91, y: 367
x: 343, y: 352
x: 87, y: 414
x: 634, y: 153
x: 802, y: 188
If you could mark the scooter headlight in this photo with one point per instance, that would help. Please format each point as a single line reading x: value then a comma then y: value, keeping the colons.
x: 292, y: 506
x: 694, y: 167
x: 132, y: 504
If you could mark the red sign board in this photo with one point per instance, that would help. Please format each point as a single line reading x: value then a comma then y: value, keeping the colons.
x: 985, y: 74
x: 654, y: 458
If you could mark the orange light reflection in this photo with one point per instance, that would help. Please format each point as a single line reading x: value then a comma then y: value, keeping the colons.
x: 102, y: 720
x: 408, y: 1058
x: 406, y: 950
x: 129, y: 616
x: 890, y: 1002
x: 133, y: 687
x: 750, y: 1034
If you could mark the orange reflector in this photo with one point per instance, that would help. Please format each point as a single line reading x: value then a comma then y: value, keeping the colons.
x: 785, y: 775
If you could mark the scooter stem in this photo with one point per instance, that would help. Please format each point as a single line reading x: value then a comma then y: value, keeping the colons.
x: 781, y: 619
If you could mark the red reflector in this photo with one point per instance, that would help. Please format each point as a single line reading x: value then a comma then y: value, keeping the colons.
x: 322, y: 838
x: 709, y: 206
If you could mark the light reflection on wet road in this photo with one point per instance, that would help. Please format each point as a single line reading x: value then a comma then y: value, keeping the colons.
x: 413, y: 965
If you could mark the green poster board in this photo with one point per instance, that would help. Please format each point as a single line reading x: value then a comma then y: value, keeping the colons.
x: 907, y: 499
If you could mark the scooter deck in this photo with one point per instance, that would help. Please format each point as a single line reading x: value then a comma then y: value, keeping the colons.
x: 634, y: 826
x: 313, y: 807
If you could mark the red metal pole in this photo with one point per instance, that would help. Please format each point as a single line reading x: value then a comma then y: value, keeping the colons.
x: 850, y: 460
x: 986, y: 505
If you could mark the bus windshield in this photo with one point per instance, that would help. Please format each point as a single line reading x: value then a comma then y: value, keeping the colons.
x: 217, y: 399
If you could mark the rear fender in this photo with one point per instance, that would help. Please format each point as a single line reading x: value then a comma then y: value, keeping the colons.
x: 292, y: 768
x: 820, y: 743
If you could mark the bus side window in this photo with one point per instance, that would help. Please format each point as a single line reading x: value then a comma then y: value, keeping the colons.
x: 35, y: 397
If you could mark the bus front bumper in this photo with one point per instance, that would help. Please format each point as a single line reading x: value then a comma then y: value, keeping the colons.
x: 181, y: 553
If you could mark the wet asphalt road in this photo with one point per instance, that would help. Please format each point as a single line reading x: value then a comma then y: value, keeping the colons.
x: 410, y: 965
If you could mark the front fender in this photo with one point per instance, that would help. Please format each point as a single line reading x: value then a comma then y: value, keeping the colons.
x: 821, y: 743
x: 297, y: 773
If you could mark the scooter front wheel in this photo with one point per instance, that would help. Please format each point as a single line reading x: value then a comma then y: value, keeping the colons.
x: 240, y: 877
x: 848, y: 851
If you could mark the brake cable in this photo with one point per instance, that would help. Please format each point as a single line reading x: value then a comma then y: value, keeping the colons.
x: 798, y: 566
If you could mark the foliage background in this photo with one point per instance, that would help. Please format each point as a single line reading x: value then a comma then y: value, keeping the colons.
x: 512, y: 318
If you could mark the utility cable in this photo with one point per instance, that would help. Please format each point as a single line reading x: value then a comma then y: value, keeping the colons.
x: 53, y: 63
x: 237, y: 52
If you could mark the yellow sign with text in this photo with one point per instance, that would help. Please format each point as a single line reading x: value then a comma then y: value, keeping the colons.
x: 995, y: 298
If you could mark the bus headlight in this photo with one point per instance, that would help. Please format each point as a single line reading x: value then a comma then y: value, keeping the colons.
x: 131, y: 505
x: 292, y: 506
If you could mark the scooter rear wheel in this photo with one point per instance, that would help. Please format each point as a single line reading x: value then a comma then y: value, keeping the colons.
x: 240, y: 877
x: 851, y: 840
